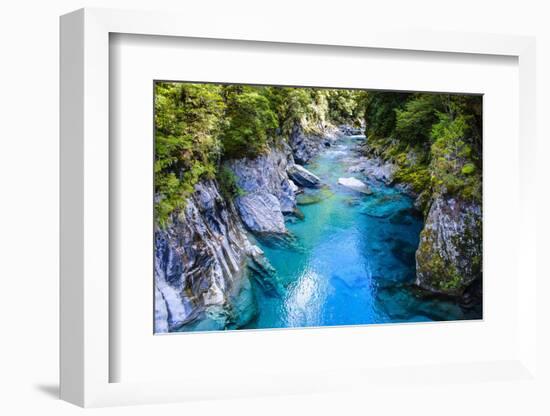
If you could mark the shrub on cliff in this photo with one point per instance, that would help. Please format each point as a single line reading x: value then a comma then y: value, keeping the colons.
x: 453, y: 162
x: 434, y: 139
x: 249, y: 122
x: 187, y: 122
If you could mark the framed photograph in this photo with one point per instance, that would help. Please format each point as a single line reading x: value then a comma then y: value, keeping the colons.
x: 289, y: 210
x: 292, y: 207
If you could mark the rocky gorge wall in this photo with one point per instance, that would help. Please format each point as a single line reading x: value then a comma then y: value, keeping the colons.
x: 269, y: 184
x: 204, y: 257
x: 200, y: 258
x: 307, y: 144
x: 267, y: 191
x: 449, y: 255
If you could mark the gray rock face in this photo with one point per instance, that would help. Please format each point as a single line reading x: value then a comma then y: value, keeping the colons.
x: 449, y: 256
x: 347, y: 130
x: 261, y: 212
x: 303, y: 177
x: 374, y: 168
x: 268, y: 191
x: 200, y: 258
x: 306, y: 145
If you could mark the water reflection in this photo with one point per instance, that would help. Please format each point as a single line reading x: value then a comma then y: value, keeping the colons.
x: 304, y: 303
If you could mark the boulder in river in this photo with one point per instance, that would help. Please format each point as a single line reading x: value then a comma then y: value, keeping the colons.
x: 348, y: 130
x: 303, y: 177
x: 261, y: 212
x: 355, y: 184
x: 374, y: 168
x: 268, y: 191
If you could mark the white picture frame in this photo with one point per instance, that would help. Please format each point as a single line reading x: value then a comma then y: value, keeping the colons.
x: 85, y: 213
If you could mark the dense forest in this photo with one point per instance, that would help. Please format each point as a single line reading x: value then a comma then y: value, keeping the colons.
x: 435, y: 139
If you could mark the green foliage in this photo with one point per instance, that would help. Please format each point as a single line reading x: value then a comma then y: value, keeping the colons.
x: 380, y: 113
x: 186, y: 124
x: 453, y: 164
x: 418, y: 176
x: 228, y: 183
x: 413, y: 123
x: 346, y: 106
x: 434, y: 139
x: 289, y: 104
x: 315, y: 108
x: 250, y: 122
x: 468, y: 169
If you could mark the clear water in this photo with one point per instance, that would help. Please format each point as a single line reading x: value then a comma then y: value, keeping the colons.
x: 351, y: 258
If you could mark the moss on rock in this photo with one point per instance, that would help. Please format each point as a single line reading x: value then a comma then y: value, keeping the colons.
x: 449, y: 255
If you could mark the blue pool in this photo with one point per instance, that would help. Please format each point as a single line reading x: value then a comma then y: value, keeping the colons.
x: 351, y: 258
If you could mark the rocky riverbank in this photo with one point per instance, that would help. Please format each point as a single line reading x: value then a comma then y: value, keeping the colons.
x: 204, y: 257
x: 448, y: 259
x: 201, y: 260
x: 307, y: 144
x: 449, y: 255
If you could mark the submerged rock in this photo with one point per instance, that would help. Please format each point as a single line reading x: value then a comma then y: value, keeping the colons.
x: 449, y: 255
x: 314, y: 197
x: 383, y: 206
x: 403, y: 251
x: 298, y: 215
x: 303, y: 177
x: 355, y: 184
x: 405, y: 216
x: 265, y: 275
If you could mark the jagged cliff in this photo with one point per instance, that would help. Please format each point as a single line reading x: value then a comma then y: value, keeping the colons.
x: 449, y: 256
x: 204, y: 258
x: 267, y: 191
x: 269, y: 184
x: 306, y: 143
x: 200, y: 260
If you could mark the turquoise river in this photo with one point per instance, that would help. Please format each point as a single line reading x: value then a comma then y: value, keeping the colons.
x: 352, y: 258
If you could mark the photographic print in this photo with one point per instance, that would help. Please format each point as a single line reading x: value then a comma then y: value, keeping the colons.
x: 285, y: 207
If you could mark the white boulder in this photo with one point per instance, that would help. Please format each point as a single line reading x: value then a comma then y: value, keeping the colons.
x: 355, y: 184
